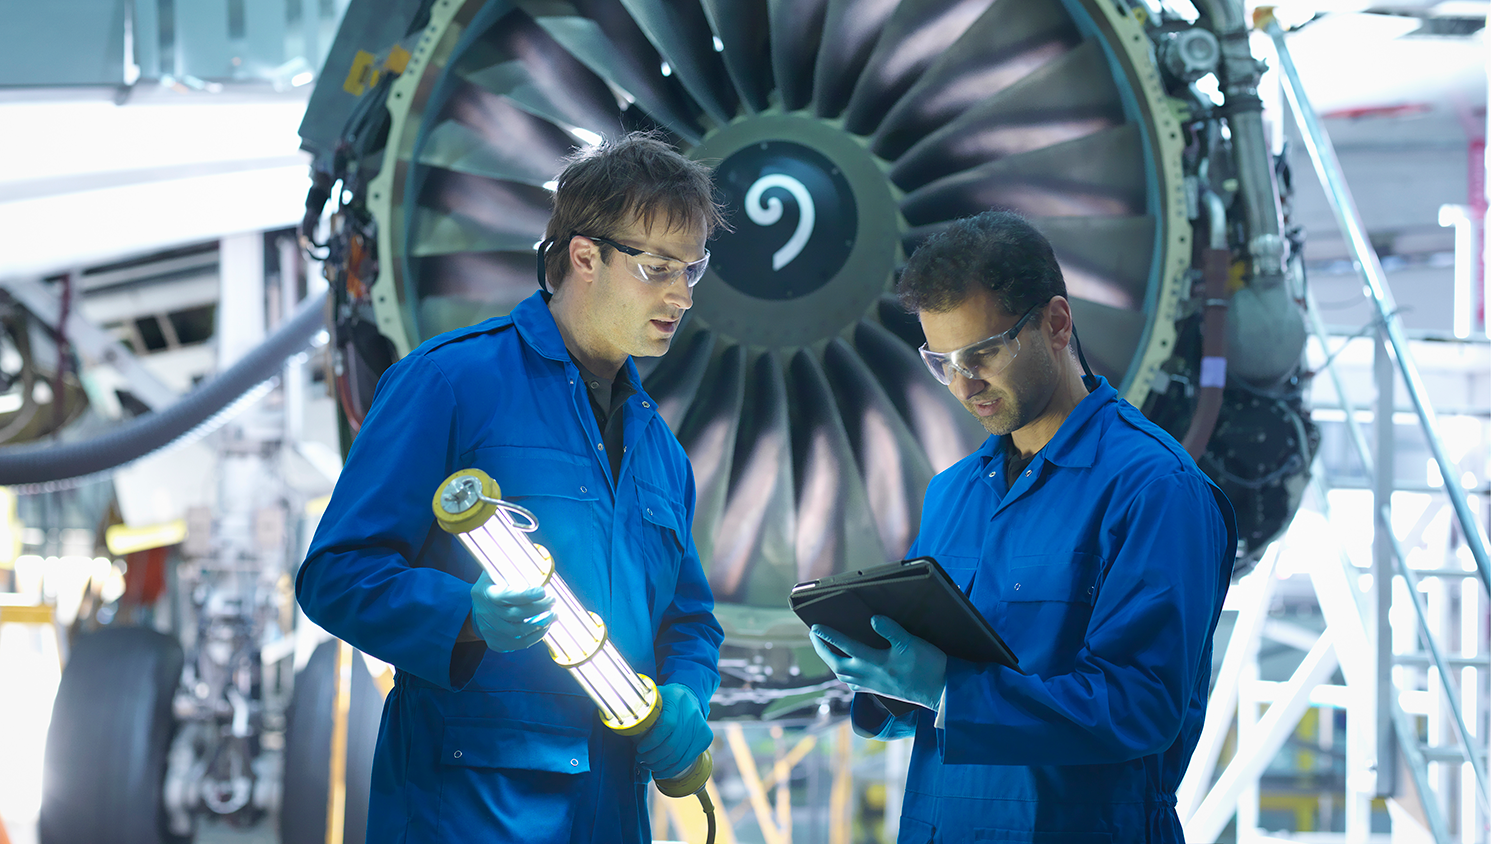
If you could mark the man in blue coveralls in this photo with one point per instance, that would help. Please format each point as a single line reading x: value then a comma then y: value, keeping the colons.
x: 484, y: 738
x: 1087, y: 538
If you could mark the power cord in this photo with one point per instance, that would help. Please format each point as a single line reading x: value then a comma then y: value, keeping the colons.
x: 708, y: 811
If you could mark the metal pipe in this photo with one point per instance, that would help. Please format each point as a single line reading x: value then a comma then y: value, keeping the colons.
x: 1382, y: 550
x: 1358, y: 240
x: 1260, y: 202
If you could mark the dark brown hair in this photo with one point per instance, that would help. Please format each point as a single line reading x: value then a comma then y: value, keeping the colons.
x: 637, y: 176
x: 995, y: 250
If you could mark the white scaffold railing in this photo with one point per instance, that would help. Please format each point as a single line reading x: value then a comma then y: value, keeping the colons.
x: 1392, y: 331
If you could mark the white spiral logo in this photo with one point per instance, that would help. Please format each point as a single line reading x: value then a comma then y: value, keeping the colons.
x: 770, y: 212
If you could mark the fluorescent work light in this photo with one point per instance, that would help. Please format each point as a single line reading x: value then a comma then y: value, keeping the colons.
x: 468, y: 505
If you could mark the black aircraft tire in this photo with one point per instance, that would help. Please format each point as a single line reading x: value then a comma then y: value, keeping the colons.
x: 106, y: 752
x: 309, y: 734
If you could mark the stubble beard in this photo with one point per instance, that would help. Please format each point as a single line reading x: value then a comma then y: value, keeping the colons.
x: 1032, y: 383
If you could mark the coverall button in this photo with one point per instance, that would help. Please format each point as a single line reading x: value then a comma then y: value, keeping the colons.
x: 648, y: 512
x: 601, y: 446
x: 573, y: 762
x: 992, y: 474
x: 1028, y: 473
x: 458, y: 754
x: 645, y: 404
x: 583, y: 489
x: 1018, y: 587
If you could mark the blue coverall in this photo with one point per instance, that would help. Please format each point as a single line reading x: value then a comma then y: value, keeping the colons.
x: 478, y: 745
x: 1104, y: 569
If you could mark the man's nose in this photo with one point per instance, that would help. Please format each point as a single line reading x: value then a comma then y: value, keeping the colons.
x: 966, y: 388
x: 679, y: 295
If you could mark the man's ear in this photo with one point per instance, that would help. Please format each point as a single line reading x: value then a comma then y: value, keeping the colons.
x: 1059, y: 318
x: 583, y: 258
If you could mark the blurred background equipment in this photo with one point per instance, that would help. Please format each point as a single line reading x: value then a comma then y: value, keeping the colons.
x: 174, y: 397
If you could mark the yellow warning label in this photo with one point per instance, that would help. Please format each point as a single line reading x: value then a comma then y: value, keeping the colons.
x: 362, y: 73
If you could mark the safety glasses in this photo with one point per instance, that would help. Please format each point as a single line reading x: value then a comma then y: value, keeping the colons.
x: 990, y: 355
x: 653, y: 268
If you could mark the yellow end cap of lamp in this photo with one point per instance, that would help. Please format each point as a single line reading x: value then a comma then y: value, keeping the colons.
x: 459, y: 503
x: 645, y: 721
x: 688, y: 782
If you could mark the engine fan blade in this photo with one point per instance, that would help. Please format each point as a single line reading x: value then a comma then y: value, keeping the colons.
x: 1007, y: 43
x: 946, y: 432
x: 894, y: 468
x: 1104, y: 259
x: 602, y: 35
x: 680, y: 32
x: 465, y: 288
x: 760, y: 509
x: 675, y: 380
x: 850, y: 32
x: 834, y: 523
x: 743, y: 28
x: 443, y: 233
x: 1110, y: 336
x: 1066, y: 99
x: 517, y: 60
x: 460, y: 212
x: 708, y: 434
x: 1090, y: 176
x: 916, y: 34
x: 483, y: 134
x: 796, y: 29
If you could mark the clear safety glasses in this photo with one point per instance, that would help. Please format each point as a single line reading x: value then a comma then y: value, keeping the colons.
x: 990, y: 355
x: 655, y: 269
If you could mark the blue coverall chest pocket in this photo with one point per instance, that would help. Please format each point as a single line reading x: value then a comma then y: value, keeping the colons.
x: 657, y: 508
x: 559, y: 488
x: 1043, y: 605
x: 663, y: 540
x: 1068, y: 578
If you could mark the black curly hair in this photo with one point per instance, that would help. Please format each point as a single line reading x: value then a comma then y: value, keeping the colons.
x: 996, y: 250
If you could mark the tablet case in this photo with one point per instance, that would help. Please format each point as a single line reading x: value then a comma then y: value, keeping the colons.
x: 918, y: 595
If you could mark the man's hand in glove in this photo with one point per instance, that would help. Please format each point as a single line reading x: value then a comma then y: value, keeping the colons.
x: 509, y: 621
x: 910, y: 669
x: 679, y: 734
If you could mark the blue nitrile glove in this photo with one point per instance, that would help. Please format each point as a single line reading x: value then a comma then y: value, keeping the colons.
x: 679, y: 734
x: 509, y: 621
x: 911, y: 669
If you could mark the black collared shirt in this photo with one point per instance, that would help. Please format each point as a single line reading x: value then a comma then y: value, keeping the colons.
x: 1014, y: 462
x: 606, y: 398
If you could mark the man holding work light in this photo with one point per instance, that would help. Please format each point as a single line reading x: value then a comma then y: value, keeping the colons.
x: 484, y: 738
x: 1087, y: 538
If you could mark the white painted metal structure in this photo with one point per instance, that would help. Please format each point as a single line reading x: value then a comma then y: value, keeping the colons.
x: 1406, y: 641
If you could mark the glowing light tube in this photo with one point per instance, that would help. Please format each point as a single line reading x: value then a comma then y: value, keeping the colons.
x: 468, y: 505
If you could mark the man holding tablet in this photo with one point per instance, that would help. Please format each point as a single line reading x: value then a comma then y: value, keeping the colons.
x: 1088, y: 539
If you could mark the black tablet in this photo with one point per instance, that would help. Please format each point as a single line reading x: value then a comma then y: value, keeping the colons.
x: 917, y: 594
